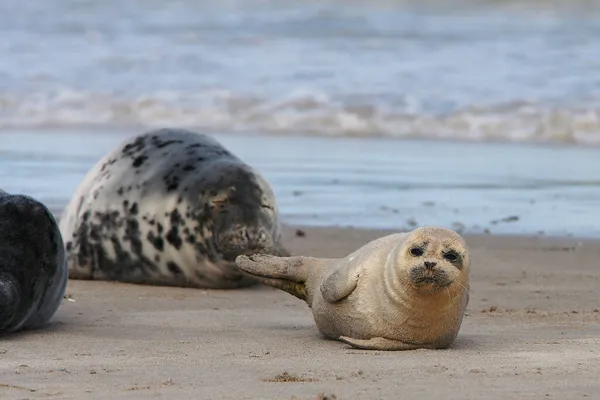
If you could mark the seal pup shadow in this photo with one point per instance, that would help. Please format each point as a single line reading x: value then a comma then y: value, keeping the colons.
x: 170, y: 207
x: 33, y: 268
x: 400, y: 292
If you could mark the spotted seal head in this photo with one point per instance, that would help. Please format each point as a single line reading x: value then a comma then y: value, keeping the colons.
x: 243, y: 216
x: 33, y: 268
x: 170, y: 207
x: 399, y: 292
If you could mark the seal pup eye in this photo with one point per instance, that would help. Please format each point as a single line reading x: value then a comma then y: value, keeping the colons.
x: 451, y: 256
x: 416, y: 252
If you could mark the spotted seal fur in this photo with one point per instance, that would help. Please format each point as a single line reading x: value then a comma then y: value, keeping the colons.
x: 170, y: 207
x: 33, y: 268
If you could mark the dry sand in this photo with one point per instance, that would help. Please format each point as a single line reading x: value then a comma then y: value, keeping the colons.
x: 532, y: 331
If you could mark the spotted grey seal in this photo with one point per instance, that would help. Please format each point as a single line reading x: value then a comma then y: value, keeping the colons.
x: 33, y: 268
x: 170, y: 207
x: 399, y: 292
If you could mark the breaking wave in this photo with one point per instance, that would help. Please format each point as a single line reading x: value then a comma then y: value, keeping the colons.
x: 301, y: 112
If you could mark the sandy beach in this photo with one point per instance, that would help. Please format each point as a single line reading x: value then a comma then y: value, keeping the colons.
x: 530, y: 332
x: 477, y: 115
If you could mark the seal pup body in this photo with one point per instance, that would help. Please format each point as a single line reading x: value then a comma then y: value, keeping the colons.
x: 33, y: 269
x: 399, y: 292
x: 170, y: 207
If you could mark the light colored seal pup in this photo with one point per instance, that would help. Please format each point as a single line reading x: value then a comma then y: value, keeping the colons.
x: 399, y: 292
x: 33, y: 268
x: 170, y: 207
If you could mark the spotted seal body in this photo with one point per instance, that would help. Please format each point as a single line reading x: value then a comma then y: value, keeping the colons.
x: 170, y: 207
x: 33, y: 268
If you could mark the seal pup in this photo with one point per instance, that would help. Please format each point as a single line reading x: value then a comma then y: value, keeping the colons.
x: 399, y: 292
x: 33, y: 268
x: 170, y: 207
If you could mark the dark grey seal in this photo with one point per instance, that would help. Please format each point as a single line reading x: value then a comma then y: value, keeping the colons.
x: 33, y: 268
x: 170, y: 207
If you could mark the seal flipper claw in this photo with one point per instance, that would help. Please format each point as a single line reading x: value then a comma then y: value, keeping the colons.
x: 379, y: 343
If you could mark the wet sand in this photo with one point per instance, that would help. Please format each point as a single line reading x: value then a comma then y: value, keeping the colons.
x: 532, y: 331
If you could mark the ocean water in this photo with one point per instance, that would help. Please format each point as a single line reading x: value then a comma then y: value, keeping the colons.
x: 362, y: 182
x: 459, y: 70
x: 479, y: 115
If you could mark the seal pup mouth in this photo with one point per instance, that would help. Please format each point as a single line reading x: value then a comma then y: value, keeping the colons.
x: 427, y: 274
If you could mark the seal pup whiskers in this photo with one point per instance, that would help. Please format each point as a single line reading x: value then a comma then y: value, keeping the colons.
x: 33, y: 268
x: 399, y: 292
x: 170, y: 207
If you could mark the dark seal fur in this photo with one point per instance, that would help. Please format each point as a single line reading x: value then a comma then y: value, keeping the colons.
x: 33, y: 269
x: 170, y: 207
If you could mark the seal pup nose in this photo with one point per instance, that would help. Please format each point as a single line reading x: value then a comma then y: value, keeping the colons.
x: 430, y: 264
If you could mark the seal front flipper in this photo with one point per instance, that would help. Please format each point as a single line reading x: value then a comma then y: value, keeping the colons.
x: 341, y: 282
x: 379, y: 343
x: 286, y: 273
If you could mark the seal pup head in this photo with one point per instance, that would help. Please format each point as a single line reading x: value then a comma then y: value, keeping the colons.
x: 433, y: 258
x: 244, y: 214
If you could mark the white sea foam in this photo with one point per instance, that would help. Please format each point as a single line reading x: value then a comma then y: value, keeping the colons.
x: 472, y: 70
x: 300, y: 112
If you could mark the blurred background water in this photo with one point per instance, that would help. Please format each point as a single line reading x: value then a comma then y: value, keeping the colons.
x: 316, y: 94
x: 385, y: 183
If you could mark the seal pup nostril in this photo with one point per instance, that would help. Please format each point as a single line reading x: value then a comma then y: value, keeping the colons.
x: 430, y: 264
